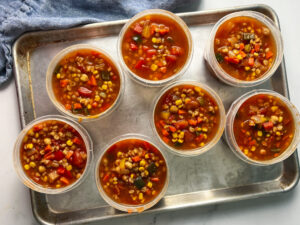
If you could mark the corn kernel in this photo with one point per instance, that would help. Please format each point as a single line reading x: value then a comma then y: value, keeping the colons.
x: 247, y: 68
x: 95, y: 72
x: 147, y: 156
x: 58, y: 186
x: 178, y: 102
x: 274, y: 108
x: 97, y: 98
x: 104, y: 87
x: 181, y: 135
x: 141, y: 196
x: 29, y: 146
x: 259, y: 133
x: 280, y: 119
x: 119, y: 154
x: 142, y: 163
x: 198, y: 129
x: 175, y: 135
x: 154, y: 40
x: 58, y: 76
x: 32, y: 164
x: 69, y: 142
x: 141, y: 169
x: 161, y: 47
x: 246, y: 151
x: 157, y: 164
x: 278, y: 133
x: 205, y: 136
x: 146, y: 173
x: 153, y: 192
x: 239, y: 57
x: 109, y: 83
x: 180, y: 141
x: 26, y: 167
x: 42, y: 169
x: 202, y: 144
x: 253, y: 148
x: 69, y: 167
x: 174, y: 140
x: 149, y: 184
x: 255, y: 54
x: 204, y: 129
x: 153, y: 67
x: 197, y: 89
x: 89, y: 106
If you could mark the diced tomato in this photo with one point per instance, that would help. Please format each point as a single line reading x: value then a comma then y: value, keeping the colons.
x: 136, y: 159
x: 199, y: 138
x: 95, y: 104
x: 77, y: 140
x: 242, y: 46
x: 269, y: 54
x: 171, y: 58
x: 138, y: 28
x: 268, y: 125
x: 77, y: 159
x: 139, y: 64
x: 68, y: 106
x: 252, y: 142
x: 59, y: 155
x: 164, y: 30
x: 64, y: 180
x: 175, y: 50
x: 64, y: 83
x: 181, y: 124
x: 68, y: 174
x: 163, y: 69
x: 37, y: 127
x: 199, y: 120
x: 154, y: 179
x: 151, y: 52
x: 106, y: 177
x: 192, y: 122
x: 94, y: 53
x: 256, y: 47
x: 181, y: 112
x: 164, y: 132
x: 77, y: 106
x: 133, y: 46
x: 61, y: 170
x: 243, y: 54
x: 69, y: 154
x: 165, y: 139
x: 251, y: 61
x: 114, y: 77
x: 233, y: 60
x: 84, y: 92
x: 173, y: 129
x: 92, y: 81
x: 188, y: 136
x: 49, y: 156
x: 162, y: 123
x: 48, y: 148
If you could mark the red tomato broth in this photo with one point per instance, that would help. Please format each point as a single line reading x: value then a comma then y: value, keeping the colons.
x: 121, y: 175
x: 86, y: 82
x: 245, y: 48
x: 53, y: 154
x: 155, y: 47
x: 263, y: 127
x: 187, y: 117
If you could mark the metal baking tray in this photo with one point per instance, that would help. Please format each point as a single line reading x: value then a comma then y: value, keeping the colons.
x: 215, y: 177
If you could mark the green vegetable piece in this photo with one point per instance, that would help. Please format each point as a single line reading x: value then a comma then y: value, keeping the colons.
x: 57, y: 69
x: 219, y: 58
x: 201, y: 100
x: 275, y: 150
x: 137, y: 38
x: 86, y: 111
x: 139, y: 183
x: 105, y: 75
x: 197, y: 133
x: 177, y: 144
x: 247, y: 48
x: 152, y: 168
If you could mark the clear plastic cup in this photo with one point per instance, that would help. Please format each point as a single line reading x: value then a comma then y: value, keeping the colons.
x: 176, y: 19
x: 17, y: 156
x: 229, y: 134
x: 216, y: 138
x: 126, y: 207
x: 54, y: 62
x: 216, y: 69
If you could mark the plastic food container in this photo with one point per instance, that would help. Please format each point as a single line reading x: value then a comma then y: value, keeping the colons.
x: 229, y: 133
x: 49, y: 77
x: 18, y: 165
x: 176, y: 19
x: 215, y: 67
x: 219, y: 132
x: 126, y: 207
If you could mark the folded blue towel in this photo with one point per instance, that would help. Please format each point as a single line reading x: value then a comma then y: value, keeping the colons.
x: 19, y: 16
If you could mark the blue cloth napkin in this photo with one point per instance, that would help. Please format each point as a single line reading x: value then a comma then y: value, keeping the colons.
x: 19, y: 16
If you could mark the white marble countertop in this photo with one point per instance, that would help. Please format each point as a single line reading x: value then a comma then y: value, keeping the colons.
x: 15, y: 207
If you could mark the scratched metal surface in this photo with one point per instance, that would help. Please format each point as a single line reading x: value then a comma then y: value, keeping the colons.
x: 214, y: 177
